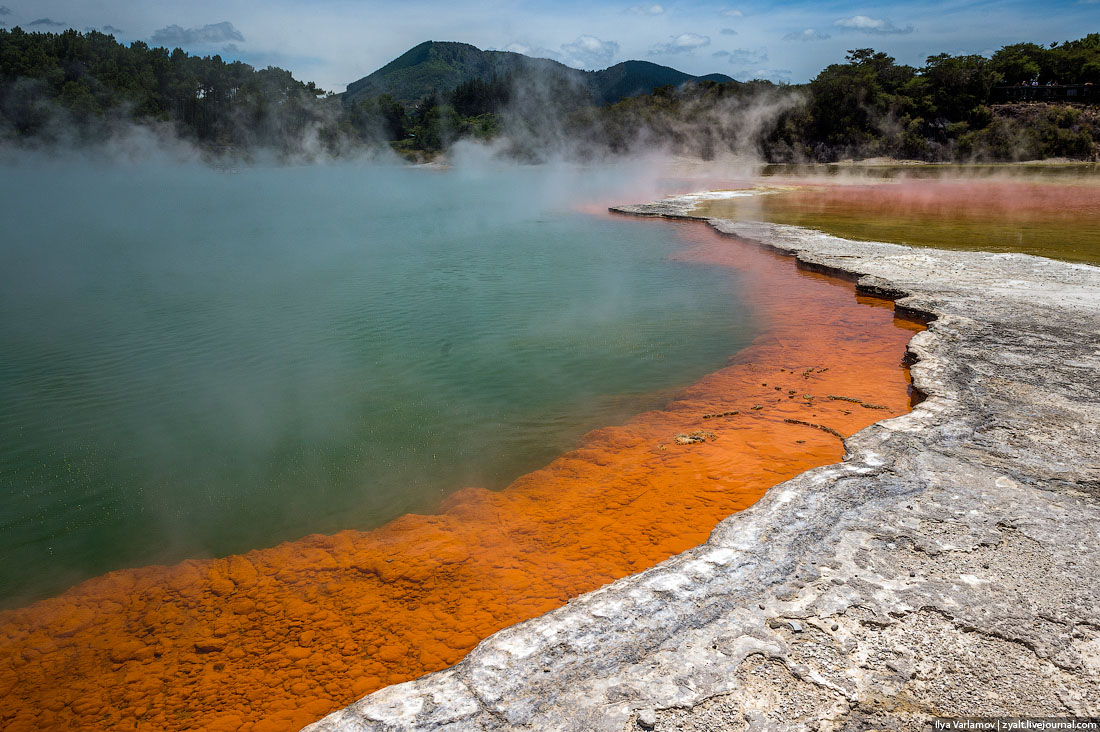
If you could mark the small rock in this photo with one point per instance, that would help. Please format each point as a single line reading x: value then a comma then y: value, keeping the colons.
x: 834, y: 627
x: 647, y: 718
x: 695, y: 437
x: 795, y: 627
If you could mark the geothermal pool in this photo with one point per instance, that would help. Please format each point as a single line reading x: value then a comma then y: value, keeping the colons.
x: 1049, y: 211
x: 245, y: 342
x: 196, y: 363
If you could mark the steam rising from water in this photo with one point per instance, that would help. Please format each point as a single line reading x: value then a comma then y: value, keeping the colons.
x: 195, y: 362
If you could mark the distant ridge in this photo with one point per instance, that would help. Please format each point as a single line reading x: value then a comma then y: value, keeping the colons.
x: 631, y: 78
x: 440, y: 66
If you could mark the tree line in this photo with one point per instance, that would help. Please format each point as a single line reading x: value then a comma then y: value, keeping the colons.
x: 72, y: 84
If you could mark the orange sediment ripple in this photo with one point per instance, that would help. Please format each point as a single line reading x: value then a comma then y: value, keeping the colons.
x: 278, y: 637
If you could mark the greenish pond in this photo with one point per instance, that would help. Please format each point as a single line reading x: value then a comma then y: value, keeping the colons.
x: 197, y: 363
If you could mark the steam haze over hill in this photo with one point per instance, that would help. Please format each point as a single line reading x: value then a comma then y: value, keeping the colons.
x: 69, y: 87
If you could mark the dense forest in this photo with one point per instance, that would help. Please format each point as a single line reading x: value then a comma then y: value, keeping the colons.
x: 75, y: 87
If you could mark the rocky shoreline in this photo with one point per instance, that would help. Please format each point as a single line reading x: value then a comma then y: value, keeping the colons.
x: 949, y: 567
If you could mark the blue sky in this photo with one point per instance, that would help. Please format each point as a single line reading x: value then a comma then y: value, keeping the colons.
x: 334, y: 42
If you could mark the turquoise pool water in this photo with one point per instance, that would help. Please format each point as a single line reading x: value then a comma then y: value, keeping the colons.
x: 196, y: 363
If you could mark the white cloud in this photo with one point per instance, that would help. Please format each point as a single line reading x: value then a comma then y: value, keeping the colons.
x: 174, y: 35
x: 644, y: 9
x: 749, y: 56
x: 808, y: 34
x: 874, y: 26
x: 750, y: 64
x: 720, y: 54
x: 682, y: 43
x: 586, y: 52
x: 733, y: 13
x: 534, y: 51
x: 589, y: 52
x: 728, y: 32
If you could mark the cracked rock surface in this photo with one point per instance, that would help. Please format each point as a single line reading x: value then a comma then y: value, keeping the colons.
x: 950, y: 566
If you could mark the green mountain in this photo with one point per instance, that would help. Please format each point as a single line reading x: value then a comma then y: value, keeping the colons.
x: 440, y: 66
x: 631, y: 78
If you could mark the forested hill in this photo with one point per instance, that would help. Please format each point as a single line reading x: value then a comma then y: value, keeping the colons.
x: 439, y: 67
x: 632, y: 78
x: 64, y: 88
x: 71, y: 84
x: 435, y: 67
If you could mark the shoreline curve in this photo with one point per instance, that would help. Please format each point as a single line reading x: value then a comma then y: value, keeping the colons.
x: 947, y: 568
x: 273, y: 639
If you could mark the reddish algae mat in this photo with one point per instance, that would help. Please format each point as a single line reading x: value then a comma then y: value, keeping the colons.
x: 276, y: 638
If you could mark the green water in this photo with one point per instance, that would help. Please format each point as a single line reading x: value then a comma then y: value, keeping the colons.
x: 197, y: 363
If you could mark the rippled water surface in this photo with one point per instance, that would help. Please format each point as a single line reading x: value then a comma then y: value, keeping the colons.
x: 195, y: 363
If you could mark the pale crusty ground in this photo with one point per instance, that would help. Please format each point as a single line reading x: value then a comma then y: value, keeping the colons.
x: 950, y: 566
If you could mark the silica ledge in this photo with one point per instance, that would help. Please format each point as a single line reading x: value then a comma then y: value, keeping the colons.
x: 949, y: 566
